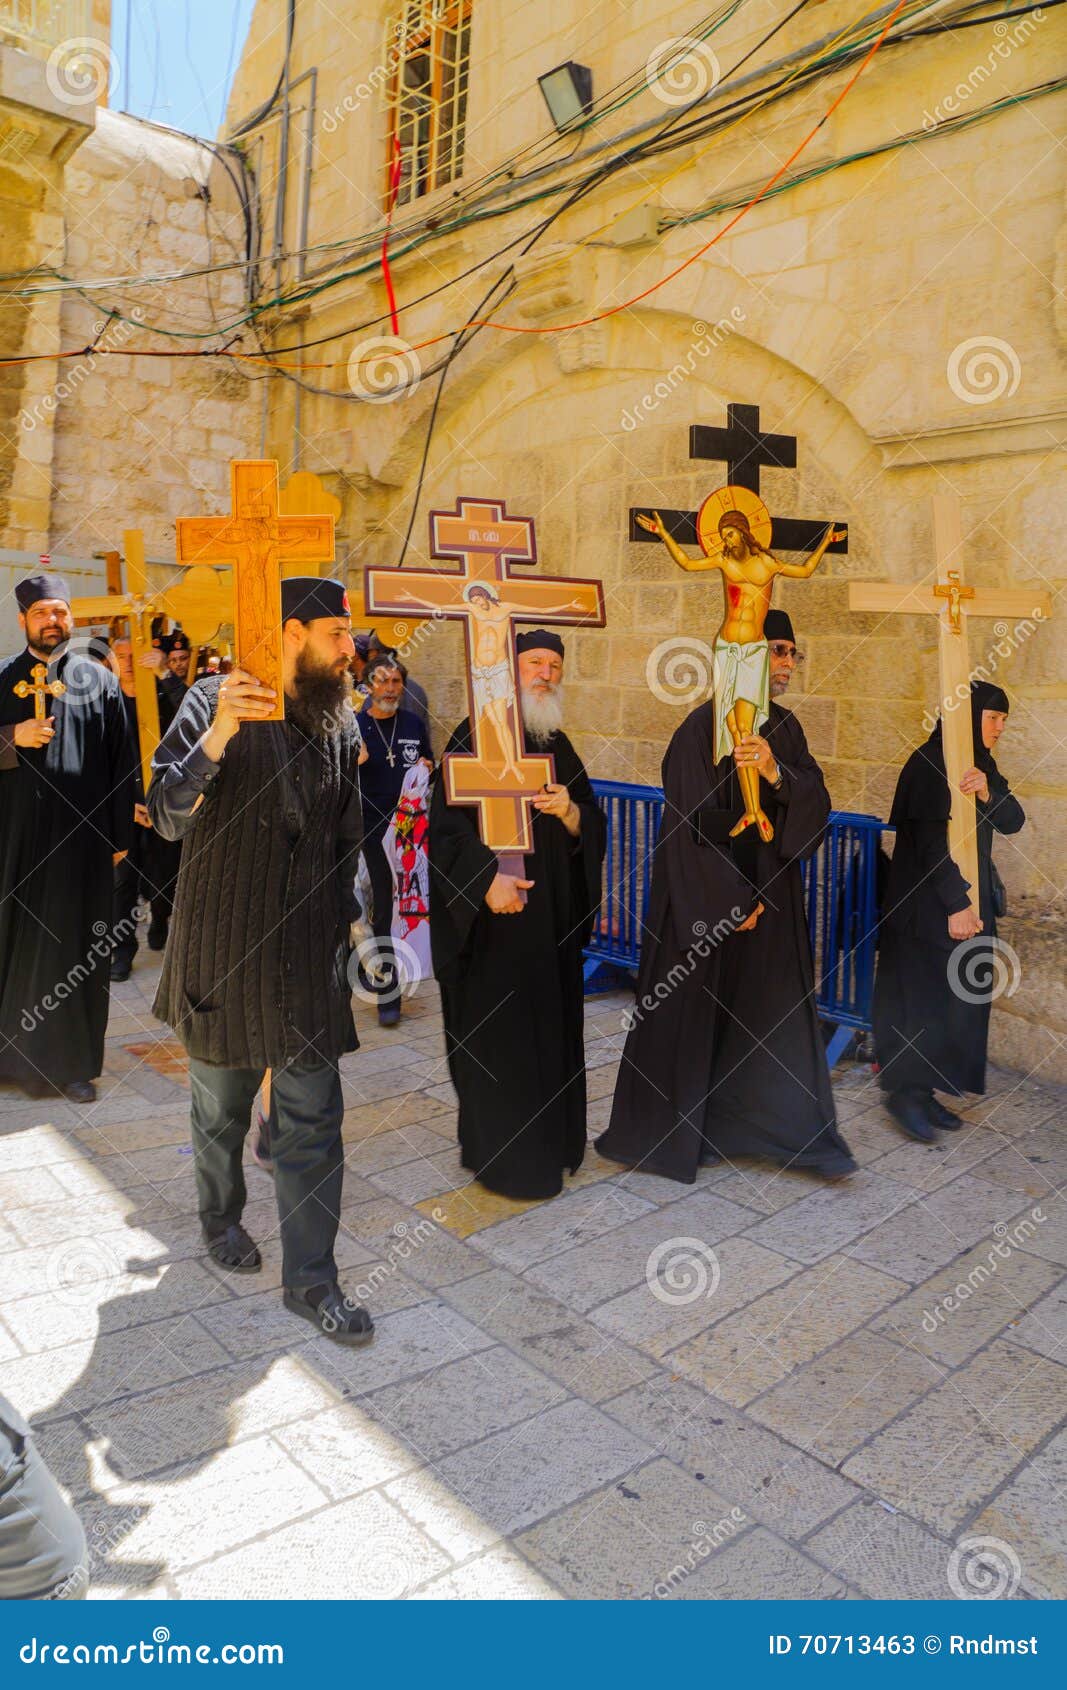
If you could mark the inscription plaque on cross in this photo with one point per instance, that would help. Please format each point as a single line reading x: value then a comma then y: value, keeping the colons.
x: 499, y: 777
x: 256, y: 541
x: 953, y: 603
x: 745, y: 450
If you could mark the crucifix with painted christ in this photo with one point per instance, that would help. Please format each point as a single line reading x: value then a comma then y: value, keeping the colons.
x: 500, y: 777
x: 953, y: 603
x: 256, y: 541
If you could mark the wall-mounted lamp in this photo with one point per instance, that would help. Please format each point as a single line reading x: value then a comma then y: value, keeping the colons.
x: 568, y: 92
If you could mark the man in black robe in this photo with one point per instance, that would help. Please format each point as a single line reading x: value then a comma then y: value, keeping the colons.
x: 149, y: 871
x: 65, y: 820
x: 511, y: 973
x: 936, y: 963
x: 724, y: 1055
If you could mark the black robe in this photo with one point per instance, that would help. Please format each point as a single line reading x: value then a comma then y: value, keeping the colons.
x: 927, y: 1036
x: 725, y: 1056
x: 64, y: 809
x: 512, y: 988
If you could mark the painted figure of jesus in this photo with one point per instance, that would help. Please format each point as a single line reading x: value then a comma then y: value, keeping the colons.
x: 735, y: 544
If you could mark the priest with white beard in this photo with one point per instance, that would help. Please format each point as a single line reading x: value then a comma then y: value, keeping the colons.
x: 511, y: 973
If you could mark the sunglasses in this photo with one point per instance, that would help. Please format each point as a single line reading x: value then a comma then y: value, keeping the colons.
x: 782, y: 648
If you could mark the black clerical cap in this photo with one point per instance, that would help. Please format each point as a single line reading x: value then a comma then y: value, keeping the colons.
x: 777, y: 626
x: 309, y: 596
x: 540, y: 639
x: 37, y: 587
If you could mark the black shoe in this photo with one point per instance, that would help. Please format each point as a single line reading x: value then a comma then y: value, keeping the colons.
x: 939, y: 1116
x: 327, y: 1308
x: 908, y: 1113
x: 388, y: 1014
x: 234, y: 1250
x: 80, y: 1091
x: 120, y: 968
x: 157, y: 935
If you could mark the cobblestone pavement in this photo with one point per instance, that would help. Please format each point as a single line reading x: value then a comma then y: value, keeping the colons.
x: 757, y: 1386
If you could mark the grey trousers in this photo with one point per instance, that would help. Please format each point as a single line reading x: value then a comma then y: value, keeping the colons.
x: 305, y: 1147
x: 42, y: 1544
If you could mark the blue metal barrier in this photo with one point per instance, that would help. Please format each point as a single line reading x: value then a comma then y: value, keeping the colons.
x: 840, y: 895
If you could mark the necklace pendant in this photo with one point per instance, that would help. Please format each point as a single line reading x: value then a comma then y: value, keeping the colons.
x: 391, y: 758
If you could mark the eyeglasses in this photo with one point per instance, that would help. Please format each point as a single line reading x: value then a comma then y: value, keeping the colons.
x: 782, y: 648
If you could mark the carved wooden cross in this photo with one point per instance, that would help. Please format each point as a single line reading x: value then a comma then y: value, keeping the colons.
x: 256, y: 541
x: 953, y: 604
x: 39, y: 685
x: 745, y: 449
x: 499, y: 776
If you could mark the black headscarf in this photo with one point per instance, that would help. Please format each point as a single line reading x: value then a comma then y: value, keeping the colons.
x: 922, y: 792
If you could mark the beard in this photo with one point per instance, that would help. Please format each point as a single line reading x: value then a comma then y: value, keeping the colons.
x: 779, y: 684
x: 319, y: 697
x: 542, y: 713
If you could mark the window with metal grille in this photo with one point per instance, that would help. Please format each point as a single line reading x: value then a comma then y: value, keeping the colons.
x: 428, y: 51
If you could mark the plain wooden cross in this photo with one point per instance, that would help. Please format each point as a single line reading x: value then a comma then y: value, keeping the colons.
x: 953, y: 603
x: 499, y: 777
x: 744, y: 448
x: 257, y: 542
x: 39, y: 685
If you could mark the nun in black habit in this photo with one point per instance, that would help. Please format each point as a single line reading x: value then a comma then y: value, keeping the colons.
x: 724, y: 1055
x: 935, y: 970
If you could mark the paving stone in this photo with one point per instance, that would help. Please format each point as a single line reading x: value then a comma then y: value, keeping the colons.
x: 760, y: 1567
x: 412, y: 1109
x: 85, y: 1217
x: 359, y: 1550
x: 1017, y: 1108
x: 419, y: 1247
x: 744, y: 1463
x: 470, y: 1207
x: 346, y: 1449
x: 8, y: 1346
x: 498, y: 1575
x: 884, y: 1555
x: 590, y: 1363
x: 194, y: 1418
x: 518, y: 1476
x: 467, y: 1400
x: 1050, y: 1241
x: 435, y: 1508
x: 1044, y: 1329
x: 1034, y: 1163
x: 657, y: 1322
x: 842, y: 1398
x: 79, y: 1376
x: 25, y: 1188
x: 938, y: 1227
x: 572, y: 1219
x: 751, y: 1350
x: 833, y: 1216
x: 764, y: 1187
x: 624, y: 1541
x: 928, y: 1166
x: 390, y: 1148
x: 144, y: 1133
x: 405, y: 1344
x: 946, y: 1455
x: 961, y: 1307
x: 65, y: 1314
x: 595, y: 1272
x: 425, y: 1177
x: 1028, y: 1514
x: 189, y: 1514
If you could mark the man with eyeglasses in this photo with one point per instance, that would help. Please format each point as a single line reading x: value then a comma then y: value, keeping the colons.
x: 781, y: 650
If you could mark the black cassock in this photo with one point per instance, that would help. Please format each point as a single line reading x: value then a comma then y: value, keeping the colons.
x: 511, y: 985
x: 927, y: 1035
x: 64, y: 809
x: 725, y: 1056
